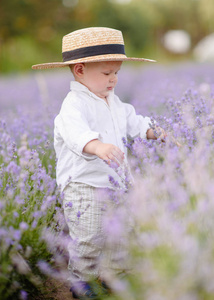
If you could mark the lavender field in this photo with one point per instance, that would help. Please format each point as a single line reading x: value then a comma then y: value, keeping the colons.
x: 170, y: 207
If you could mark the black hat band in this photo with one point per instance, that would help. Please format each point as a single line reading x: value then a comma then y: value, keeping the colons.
x: 93, y: 51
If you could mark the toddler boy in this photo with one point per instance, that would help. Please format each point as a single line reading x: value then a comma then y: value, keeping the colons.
x: 88, y: 138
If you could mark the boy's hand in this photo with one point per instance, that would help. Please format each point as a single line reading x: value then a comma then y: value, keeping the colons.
x: 158, y: 132
x: 108, y: 152
x: 161, y: 134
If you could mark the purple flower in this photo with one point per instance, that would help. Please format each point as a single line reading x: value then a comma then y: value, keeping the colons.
x: 34, y: 224
x: 19, y: 201
x: 15, y: 214
x: 68, y: 204
x: 44, y: 267
x: 23, y: 295
x: 13, y: 168
x: 3, y: 233
x: 113, y: 227
x: 113, y: 181
x: 17, y: 235
x: 23, y: 226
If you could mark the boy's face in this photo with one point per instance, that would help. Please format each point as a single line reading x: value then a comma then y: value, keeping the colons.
x: 101, y: 77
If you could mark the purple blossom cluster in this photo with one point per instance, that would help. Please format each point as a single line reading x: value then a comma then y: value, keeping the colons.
x: 167, y: 209
x: 29, y: 203
x: 170, y: 209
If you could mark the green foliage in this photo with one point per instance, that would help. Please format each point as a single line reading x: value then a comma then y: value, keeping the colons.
x: 31, y: 30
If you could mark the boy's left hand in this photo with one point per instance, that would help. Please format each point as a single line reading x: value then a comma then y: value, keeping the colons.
x: 156, y: 133
x: 160, y: 133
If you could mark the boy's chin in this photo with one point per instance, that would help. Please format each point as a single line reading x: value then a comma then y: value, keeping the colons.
x: 103, y: 95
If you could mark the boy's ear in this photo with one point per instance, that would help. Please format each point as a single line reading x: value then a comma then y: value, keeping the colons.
x: 78, y: 70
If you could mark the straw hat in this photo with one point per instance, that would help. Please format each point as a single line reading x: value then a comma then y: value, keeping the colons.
x: 93, y: 44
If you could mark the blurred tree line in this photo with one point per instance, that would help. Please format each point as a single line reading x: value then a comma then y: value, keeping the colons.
x: 31, y: 30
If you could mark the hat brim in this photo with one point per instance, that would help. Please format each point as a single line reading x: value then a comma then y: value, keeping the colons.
x: 98, y: 58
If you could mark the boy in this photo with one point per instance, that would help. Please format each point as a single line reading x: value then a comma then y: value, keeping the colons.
x: 88, y: 139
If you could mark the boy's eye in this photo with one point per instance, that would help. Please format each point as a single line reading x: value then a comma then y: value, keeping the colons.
x: 110, y: 73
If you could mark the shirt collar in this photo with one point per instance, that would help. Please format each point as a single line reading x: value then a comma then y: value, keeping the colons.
x: 77, y: 86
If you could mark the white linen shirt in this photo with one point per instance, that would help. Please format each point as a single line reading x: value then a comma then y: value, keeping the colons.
x: 84, y: 117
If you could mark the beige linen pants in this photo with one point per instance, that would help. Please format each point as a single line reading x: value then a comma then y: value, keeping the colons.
x: 89, y: 254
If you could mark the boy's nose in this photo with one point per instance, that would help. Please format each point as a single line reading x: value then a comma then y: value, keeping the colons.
x: 113, y: 78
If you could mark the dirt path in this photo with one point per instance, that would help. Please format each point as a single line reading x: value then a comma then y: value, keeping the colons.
x: 60, y: 291
x: 55, y: 291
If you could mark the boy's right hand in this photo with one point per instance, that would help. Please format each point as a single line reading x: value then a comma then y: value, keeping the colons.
x: 108, y: 152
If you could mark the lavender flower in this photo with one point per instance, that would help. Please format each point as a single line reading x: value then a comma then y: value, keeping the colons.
x: 113, y: 182
x: 68, y: 204
x: 23, y: 295
x: 169, y: 208
x: 23, y: 226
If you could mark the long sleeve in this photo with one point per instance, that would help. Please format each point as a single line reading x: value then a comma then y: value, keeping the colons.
x: 136, y: 124
x: 73, y: 127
